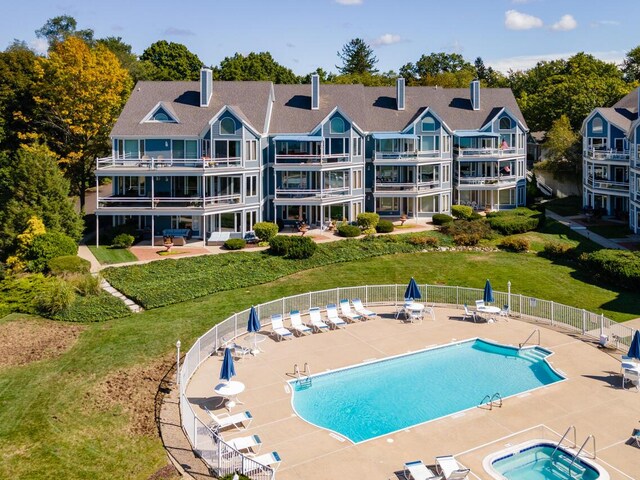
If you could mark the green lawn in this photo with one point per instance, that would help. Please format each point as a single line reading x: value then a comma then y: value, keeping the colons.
x: 110, y: 256
x: 566, y: 206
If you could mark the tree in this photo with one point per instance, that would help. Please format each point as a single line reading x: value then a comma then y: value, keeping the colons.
x: 449, y: 70
x: 24, y: 194
x: 563, y: 146
x: 81, y: 92
x: 254, y: 66
x: 631, y: 65
x: 174, y: 61
x: 58, y: 29
x: 357, y: 57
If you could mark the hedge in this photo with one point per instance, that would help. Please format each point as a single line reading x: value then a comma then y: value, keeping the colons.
x: 95, y: 308
x: 367, y: 220
x: 518, y: 220
x: 441, y: 219
x: 157, y: 284
x: 348, y: 231
x: 235, y: 244
x: 123, y: 240
x: 68, y: 264
x: 47, y: 246
x: 385, y: 226
x: 462, y: 211
x: 467, y: 232
x: 515, y: 244
x: 292, y: 247
x: 265, y: 231
x: 620, y: 267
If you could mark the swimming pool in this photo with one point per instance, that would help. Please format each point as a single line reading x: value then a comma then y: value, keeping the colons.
x: 536, y: 460
x: 376, y: 398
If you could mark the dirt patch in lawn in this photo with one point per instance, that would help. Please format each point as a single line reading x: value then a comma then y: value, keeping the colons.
x: 134, y: 391
x: 29, y: 340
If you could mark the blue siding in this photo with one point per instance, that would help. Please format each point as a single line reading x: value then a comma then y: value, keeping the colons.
x: 605, y: 126
x: 155, y: 147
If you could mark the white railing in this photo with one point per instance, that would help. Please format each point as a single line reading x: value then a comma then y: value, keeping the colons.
x: 405, y: 187
x: 409, y: 155
x: 223, y: 459
x: 305, y: 158
x: 153, y: 163
x: 607, y: 155
x: 504, y: 179
x: 310, y: 192
x: 484, y: 152
x: 168, y: 202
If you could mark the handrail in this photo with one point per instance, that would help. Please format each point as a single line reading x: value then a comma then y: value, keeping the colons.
x: 491, y: 400
x: 499, y: 397
x: 520, y: 345
x: 564, y: 436
x: 575, y: 457
x: 486, y: 397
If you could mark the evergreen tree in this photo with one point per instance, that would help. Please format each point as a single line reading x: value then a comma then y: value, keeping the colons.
x: 357, y: 58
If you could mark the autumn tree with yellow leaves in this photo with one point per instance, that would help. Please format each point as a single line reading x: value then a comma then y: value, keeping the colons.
x: 80, y: 91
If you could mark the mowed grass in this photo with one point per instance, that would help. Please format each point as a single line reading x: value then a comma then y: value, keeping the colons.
x: 51, y: 428
x: 111, y: 256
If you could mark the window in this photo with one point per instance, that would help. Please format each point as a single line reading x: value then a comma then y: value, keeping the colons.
x: 505, y: 123
x: 597, y: 126
x: 252, y: 186
x: 177, y: 150
x: 251, y: 150
x: 387, y: 205
x: 429, y: 173
x: 357, y: 179
x: 357, y: 147
x: 429, y: 143
x: 160, y: 117
x: 428, y: 124
x: 191, y: 149
x: 446, y: 173
x: 227, y: 126
x: 227, y: 149
x: 429, y: 204
x: 337, y: 125
x: 446, y: 143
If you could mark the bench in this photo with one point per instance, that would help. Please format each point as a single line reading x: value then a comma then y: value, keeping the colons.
x: 177, y: 232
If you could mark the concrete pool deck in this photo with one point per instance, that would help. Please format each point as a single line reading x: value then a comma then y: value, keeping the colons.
x: 591, y: 399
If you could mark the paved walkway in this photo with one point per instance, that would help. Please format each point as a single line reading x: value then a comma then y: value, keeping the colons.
x: 84, y: 252
x: 582, y: 230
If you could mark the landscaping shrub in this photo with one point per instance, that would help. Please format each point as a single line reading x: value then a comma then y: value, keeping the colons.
x: 94, y: 308
x: 369, y: 231
x: 557, y: 249
x: 231, y: 476
x: 467, y: 232
x: 265, y: 231
x: 348, y: 231
x: 56, y: 296
x: 367, y: 220
x: 84, y: 284
x: 476, y: 216
x: 424, y: 241
x: 518, y: 220
x: 279, y: 245
x: 235, y: 243
x: 384, y: 226
x: 300, y: 248
x: 461, y: 211
x: 68, y: 264
x: 620, y: 267
x: 47, y: 246
x: 441, y: 219
x: 515, y: 244
x: 123, y: 240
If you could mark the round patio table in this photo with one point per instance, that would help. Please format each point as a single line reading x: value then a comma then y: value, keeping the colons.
x: 489, y: 309
x: 230, y: 391
x: 253, y: 339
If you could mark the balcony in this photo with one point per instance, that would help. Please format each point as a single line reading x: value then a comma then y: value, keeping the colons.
x: 405, y: 188
x: 122, y: 202
x: 311, y: 193
x: 487, y: 152
x: 487, y: 183
x: 381, y: 156
x: 311, y: 159
x: 607, y: 155
x: 604, y: 184
x: 152, y: 163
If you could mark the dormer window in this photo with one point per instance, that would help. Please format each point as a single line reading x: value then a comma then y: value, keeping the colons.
x: 160, y: 116
x: 505, y: 123
x: 161, y: 113
x: 227, y: 126
x: 337, y: 125
x: 428, y: 124
x: 597, y: 126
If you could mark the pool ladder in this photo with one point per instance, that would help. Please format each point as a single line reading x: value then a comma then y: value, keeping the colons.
x: 304, y: 377
x: 575, y: 444
x: 529, y: 338
x: 494, y: 399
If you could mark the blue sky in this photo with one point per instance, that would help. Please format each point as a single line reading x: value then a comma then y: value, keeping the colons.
x: 306, y: 34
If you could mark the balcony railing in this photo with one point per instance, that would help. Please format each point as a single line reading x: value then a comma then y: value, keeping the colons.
x: 406, y: 187
x: 488, y: 152
x: 283, y: 193
x: 411, y: 155
x: 608, y: 155
x: 153, y: 163
x: 604, y: 184
x: 304, y: 158
x: 168, y: 202
x: 504, y: 179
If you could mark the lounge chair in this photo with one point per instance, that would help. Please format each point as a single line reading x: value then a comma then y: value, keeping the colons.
x: 315, y: 320
x: 271, y: 459
x: 238, y: 350
x: 250, y: 442
x: 403, y: 309
x: 635, y: 437
x: 238, y: 420
x: 449, y: 467
x: 278, y: 327
x: 346, y: 313
x: 631, y: 375
x: 359, y: 308
x: 296, y: 323
x: 469, y: 314
x: 333, y: 318
x: 418, y: 471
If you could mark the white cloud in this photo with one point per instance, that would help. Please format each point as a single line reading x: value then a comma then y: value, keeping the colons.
x: 525, y: 62
x: 386, y: 39
x: 515, y: 20
x: 566, y: 23
x: 604, y: 23
x: 39, y: 45
x: 349, y: 2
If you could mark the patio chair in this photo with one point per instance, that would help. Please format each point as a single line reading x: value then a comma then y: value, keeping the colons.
x: 278, y: 327
x: 479, y: 304
x: 250, y: 442
x: 449, y: 467
x: 635, y: 437
x: 346, y: 313
x: 239, y: 351
x: 238, y: 420
x: 271, y: 459
x: 631, y: 375
x: 315, y: 320
x: 469, y: 314
x: 504, y: 312
x: 403, y: 309
x: 418, y: 471
x: 296, y: 323
x: 359, y: 308
x: 333, y: 318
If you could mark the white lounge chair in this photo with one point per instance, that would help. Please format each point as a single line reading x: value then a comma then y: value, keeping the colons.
x: 271, y: 459
x: 418, y: 471
x: 315, y: 320
x: 250, y: 442
x: 333, y: 318
x: 239, y: 351
x: 296, y: 323
x: 346, y: 313
x: 479, y: 304
x: 631, y: 375
x: 469, y: 314
x: 278, y: 327
x: 403, y: 309
x: 238, y: 420
x: 359, y: 308
x: 449, y: 467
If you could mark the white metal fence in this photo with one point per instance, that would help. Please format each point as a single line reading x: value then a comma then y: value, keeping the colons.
x: 223, y: 459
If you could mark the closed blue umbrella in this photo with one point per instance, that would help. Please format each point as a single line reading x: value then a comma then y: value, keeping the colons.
x: 253, y: 326
x: 634, y: 350
x: 488, y: 292
x: 412, y: 290
x: 228, y: 370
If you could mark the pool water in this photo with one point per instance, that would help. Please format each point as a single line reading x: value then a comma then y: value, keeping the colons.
x: 537, y: 463
x: 384, y: 396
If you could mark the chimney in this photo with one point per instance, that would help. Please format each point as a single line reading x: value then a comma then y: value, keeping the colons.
x: 206, y: 86
x: 475, y: 94
x: 315, y: 91
x: 400, y: 97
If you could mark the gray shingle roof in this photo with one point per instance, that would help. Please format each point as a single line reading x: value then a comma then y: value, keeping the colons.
x: 618, y: 116
x: 373, y: 109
